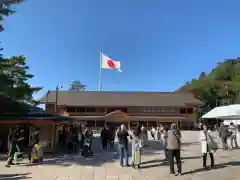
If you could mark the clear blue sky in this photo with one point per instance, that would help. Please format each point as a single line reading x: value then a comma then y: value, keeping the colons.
x: 160, y: 43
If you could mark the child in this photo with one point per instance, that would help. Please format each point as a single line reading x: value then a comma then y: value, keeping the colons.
x: 37, y: 154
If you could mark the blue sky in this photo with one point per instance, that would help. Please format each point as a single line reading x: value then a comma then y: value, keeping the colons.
x: 160, y: 43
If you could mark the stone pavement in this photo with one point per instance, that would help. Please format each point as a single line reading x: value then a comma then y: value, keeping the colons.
x: 105, y: 165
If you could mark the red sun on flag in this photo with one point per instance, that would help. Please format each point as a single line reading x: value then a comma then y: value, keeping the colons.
x: 111, y: 64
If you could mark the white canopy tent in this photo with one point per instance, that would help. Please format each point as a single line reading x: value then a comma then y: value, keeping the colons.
x: 235, y: 122
x: 230, y: 112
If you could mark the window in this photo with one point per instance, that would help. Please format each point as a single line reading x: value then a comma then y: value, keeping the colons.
x: 145, y: 110
x: 100, y: 109
x: 190, y: 110
x: 71, y: 109
x: 90, y: 110
x: 80, y: 109
x: 182, y: 110
x: 123, y: 110
x: 109, y: 110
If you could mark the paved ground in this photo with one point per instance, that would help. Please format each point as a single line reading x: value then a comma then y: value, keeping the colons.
x: 105, y: 166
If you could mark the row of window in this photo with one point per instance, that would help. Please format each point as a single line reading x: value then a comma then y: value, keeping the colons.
x: 143, y: 110
x: 161, y: 110
x: 98, y: 123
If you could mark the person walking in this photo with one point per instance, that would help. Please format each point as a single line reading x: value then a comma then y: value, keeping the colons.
x: 117, y: 141
x: 79, y: 136
x: 104, y: 138
x: 144, y: 135
x: 19, y: 145
x: 173, y: 147
x: 153, y: 132
x: 206, y: 138
x: 12, y: 144
x: 158, y: 133
x: 136, y: 148
x: 164, y: 136
x: 223, y: 135
x: 233, y: 135
x: 123, y: 145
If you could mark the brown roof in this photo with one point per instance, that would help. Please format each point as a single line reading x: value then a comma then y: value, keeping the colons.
x: 119, y: 99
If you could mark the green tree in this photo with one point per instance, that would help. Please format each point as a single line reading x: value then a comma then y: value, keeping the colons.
x: 77, y: 86
x: 13, y: 78
x: 6, y: 9
x: 222, y: 83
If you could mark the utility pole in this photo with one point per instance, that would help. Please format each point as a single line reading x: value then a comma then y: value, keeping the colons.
x: 56, y: 97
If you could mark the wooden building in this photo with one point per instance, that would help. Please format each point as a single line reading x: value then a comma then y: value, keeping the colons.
x: 98, y: 109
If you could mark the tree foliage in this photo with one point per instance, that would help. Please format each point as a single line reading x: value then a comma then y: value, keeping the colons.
x: 14, y: 71
x: 219, y: 86
x: 13, y: 78
x: 77, y: 86
x: 6, y: 9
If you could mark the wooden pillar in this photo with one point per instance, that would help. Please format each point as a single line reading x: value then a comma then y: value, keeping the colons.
x: 53, y: 136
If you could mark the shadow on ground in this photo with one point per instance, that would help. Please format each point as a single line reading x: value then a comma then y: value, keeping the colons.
x: 152, y: 147
x: 152, y: 164
x: 190, y: 143
x: 14, y: 176
x: 219, y: 166
x: 191, y: 157
x: 99, y: 159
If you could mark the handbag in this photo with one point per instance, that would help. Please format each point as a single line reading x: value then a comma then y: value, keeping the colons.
x: 211, y: 143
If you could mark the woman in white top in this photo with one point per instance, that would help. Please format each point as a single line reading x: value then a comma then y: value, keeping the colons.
x: 206, y: 137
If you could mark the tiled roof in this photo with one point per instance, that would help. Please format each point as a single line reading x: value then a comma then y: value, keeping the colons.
x: 120, y: 99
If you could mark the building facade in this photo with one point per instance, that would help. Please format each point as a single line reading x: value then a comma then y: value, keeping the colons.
x: 98, y: 109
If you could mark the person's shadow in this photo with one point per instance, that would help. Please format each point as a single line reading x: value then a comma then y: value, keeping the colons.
x: 219, y: 166
x: 14, y: 176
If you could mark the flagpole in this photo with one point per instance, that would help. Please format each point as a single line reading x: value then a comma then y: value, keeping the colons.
x: 100, y: 72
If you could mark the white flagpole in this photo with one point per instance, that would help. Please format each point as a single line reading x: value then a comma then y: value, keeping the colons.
x: 100, y: 72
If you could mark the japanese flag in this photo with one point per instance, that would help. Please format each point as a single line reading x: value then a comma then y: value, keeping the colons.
x: 108, y: 63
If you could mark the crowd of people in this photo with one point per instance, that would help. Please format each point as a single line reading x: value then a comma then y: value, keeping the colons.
x: 170, y: 140
x: 76, y: 138
x: 80, y: 138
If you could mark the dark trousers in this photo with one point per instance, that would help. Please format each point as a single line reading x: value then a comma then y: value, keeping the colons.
x: 104, y: 143
x: 205, y: 159
x: 171, y: 154
x: 224, y: 143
